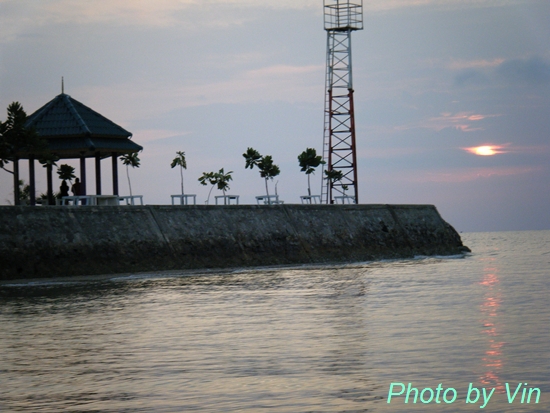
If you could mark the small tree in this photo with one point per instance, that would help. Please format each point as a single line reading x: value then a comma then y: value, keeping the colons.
x: 252, y: 157
x: 182, y: 163
x: 66, y: 173
x: 220, y: 179
x: 16, y: 137
x: 130, y: 159
x: 48, y: 162
x: 24, y: 193
x: 268, y: 170
x: 333, y: 176
x: 13, y: 135
x: 309, y: 160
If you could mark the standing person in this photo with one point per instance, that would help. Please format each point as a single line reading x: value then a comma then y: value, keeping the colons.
x: 75, y: 189
x: 63, y: 189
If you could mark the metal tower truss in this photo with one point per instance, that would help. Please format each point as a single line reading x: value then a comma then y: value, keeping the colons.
x: 339, y: 148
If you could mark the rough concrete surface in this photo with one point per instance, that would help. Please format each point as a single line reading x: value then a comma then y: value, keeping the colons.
x: 71, y: 240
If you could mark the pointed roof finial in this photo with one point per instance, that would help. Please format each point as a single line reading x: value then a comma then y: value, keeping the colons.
x: 62, y: 86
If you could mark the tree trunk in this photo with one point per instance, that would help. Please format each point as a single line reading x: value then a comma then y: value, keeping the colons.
x: 208, y: 199
x: 181, y: 173
x: 267, y: 192
x: 308, y: 185
x: 128, y: 175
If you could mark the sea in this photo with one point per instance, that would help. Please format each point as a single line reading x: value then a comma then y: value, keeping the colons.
x: 464, y: 333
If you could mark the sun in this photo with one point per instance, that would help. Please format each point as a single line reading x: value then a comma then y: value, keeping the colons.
x: 486, y: 150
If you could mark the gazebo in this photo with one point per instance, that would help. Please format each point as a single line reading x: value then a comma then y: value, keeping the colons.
x: 74, y: 131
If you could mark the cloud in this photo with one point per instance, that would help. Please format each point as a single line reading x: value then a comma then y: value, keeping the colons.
x: 283, y: 83
x: 473, y: 72
x: 471, y: 174
x: 159, y: 136
x: 459, y: 64
x: 384, y: 5
x: 534, y: 71
x: 471, y: 76
x: 389, y: 152
x: 462, y: 121
x: 186, y: 14
x: 277, y: 82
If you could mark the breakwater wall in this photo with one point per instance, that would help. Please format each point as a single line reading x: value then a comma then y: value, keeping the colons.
x: 65, y: 241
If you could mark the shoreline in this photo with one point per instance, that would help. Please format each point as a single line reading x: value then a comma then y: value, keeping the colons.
x: 207, y: 272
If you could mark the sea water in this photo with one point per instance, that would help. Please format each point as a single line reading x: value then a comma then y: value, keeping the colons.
x: 421, y: 334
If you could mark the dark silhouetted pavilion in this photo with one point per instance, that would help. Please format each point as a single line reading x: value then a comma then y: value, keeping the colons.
x: 74, y: 131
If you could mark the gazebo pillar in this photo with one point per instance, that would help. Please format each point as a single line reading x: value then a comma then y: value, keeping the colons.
x: 115, y: 173
x: 16, y: 181
x: 32, y: 184
x: 98, y: 173
x: 50, y: 184
x: 83, y: 175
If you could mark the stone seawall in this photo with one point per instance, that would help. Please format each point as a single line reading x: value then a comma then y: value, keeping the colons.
x: 64, y: 241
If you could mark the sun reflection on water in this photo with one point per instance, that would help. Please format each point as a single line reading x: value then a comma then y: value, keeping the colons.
x: 492, y: 300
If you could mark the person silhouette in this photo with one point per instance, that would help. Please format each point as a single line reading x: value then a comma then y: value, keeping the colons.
x: 63, y: 189
x: 75, y: 189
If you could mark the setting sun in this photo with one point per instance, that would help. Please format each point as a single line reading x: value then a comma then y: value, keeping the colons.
x: 485, y: 150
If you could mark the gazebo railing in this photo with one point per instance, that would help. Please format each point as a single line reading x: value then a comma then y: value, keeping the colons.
x: 92, y: 200
x: 76, y: 200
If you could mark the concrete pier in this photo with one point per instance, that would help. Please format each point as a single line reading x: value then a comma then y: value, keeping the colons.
x: 66, y: 241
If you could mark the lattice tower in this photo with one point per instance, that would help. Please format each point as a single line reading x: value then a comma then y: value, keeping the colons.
x: 339, y: 148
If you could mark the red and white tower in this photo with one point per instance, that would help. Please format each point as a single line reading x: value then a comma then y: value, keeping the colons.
x: 339, y: 148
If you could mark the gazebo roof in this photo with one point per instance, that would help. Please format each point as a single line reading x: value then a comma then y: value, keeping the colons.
x: 73, y: 130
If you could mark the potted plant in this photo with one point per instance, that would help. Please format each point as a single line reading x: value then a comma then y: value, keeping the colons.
x: 65, y: 173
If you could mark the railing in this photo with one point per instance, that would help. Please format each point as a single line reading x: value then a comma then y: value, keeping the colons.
x: 268, y: 200
x: 227, y: 199
x: 184, y: 199
x: 131, y: 199
x: 190, y: 199
x: 76, y: 200
x: 345, y: 199
x: 343, y: 15
x: 91, y: 200
x: 311, y: 199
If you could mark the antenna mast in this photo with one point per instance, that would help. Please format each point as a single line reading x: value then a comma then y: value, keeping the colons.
x: 339, y: 149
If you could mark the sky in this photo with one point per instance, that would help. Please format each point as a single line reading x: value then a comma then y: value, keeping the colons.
x: 433, y: 79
